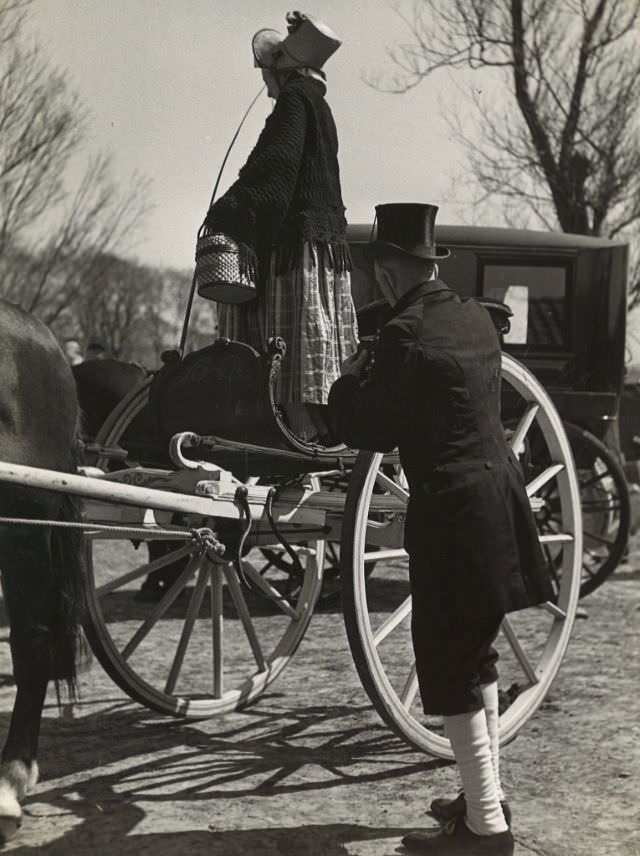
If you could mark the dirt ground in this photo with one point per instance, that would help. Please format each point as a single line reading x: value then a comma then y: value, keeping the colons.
x: 310, y: 769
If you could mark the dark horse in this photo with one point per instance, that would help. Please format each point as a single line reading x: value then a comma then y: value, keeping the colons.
x: 42, y: 567
x: 101, y: 384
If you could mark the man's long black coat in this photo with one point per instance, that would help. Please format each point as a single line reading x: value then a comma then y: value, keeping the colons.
x: 434, y: 392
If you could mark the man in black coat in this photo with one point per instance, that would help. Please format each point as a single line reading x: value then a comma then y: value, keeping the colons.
x: 474, y: 554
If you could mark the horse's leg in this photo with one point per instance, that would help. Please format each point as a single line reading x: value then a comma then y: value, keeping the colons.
x: 27, y: 585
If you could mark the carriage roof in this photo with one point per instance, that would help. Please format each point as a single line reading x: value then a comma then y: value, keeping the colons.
x: 493, y: 236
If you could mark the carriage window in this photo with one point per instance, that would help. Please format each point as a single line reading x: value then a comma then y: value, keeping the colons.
x: 537, y: 295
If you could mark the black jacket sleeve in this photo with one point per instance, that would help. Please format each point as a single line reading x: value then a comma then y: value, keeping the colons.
x: 371, y: 415
x: 257, y: 203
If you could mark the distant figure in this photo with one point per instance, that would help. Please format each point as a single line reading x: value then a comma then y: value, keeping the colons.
x: 96, y: 351
x: 73, y: 351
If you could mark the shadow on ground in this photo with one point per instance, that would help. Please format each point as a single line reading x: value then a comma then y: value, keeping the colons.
x: 312, y: 840
x: 104, y: 779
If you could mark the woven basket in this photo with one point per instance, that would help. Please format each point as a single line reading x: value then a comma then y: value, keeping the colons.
x: 220, y: 273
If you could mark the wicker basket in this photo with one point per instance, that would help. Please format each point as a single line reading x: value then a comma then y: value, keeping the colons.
x: 221, y: 273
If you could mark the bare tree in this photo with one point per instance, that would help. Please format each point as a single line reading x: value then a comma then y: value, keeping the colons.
x: 118, y: 308
x: 567, y: 144
x: 52, y: 238
x: 136, y: 311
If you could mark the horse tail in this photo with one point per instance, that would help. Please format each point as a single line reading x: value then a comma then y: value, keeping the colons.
x: 69, y: 594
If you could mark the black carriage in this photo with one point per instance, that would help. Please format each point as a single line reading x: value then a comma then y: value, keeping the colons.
x: 567, y: 294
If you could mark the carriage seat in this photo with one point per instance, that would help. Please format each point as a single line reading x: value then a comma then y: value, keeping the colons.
x: 228, y: 391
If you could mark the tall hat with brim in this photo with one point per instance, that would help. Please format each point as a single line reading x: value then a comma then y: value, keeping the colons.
x: 309, y: 44
x: 407, y: 227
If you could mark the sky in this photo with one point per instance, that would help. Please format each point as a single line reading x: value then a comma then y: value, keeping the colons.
x: 166, y: 83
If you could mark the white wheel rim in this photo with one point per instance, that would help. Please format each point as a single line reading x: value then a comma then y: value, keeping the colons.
x: 389, y: 699
x: 269, y: 651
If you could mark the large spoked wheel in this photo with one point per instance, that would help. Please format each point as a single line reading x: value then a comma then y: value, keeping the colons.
x: 606, y: 508
x: 377, y: 609
x: 209, y: 645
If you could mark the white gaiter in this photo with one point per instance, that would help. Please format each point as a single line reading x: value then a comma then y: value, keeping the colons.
x: 490, y: 701
x: 469, y: 738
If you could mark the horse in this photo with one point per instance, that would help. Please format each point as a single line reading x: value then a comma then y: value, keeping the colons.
x: 101, y: 385
x: 42, y: 567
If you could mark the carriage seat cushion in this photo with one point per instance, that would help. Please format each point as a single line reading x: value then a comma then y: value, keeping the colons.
x: 225, y: 389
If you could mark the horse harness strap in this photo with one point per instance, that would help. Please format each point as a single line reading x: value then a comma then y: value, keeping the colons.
x: 203, y: 535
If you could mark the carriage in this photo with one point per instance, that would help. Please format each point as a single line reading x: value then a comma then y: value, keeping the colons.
x: 251, y: 520
x: 568, y: 296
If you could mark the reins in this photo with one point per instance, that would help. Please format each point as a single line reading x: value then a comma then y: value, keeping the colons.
x: 203, y: 535
x: 187, y: 315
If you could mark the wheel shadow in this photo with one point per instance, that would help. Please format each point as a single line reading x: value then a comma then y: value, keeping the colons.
x: 111, y: 763
x: 311, y: 840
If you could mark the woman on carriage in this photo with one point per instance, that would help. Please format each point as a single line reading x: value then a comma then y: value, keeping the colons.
x: 285, y: 216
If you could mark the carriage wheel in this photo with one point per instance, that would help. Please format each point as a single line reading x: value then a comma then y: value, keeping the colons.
x: 377, y: 610
x: 209, y: 645
x: 331, y: 593
x: 606, y: 508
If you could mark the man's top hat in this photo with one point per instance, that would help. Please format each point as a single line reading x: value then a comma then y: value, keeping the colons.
x: 408, y: 227
x: 309, y: 44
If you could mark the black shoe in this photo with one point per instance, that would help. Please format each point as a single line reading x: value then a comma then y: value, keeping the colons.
x: 445, y: 810
x: 456, y: 839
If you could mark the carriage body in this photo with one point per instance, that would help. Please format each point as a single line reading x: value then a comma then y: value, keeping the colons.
x: 568, y: 294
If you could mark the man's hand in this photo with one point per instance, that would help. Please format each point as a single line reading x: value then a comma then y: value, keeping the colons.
x: 354, y: 365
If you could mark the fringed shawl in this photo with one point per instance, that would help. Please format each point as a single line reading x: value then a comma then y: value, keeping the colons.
x: 288, y: 191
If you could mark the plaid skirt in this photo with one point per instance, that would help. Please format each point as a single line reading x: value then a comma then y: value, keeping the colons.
x: 310, y: 307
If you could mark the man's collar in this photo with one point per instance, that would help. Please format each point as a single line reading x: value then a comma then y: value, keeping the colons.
x: 423, y: 289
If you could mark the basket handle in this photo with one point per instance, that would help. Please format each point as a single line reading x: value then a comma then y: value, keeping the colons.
x: 192, y: 292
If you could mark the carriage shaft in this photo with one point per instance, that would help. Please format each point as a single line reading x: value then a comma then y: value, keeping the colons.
x: 127, y: 495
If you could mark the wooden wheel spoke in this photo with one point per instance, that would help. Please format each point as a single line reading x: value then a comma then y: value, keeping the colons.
x: 556, y: 538
x: 599, y: 505
x: 410, y: 689
x: 193, y: 611
x: 145, y: 569
x: 272, y: 593
x: 554, y: 609
x: 384, y: 555
x: 599, y: 539
x: 390, y: 624
x: 160, y: 608
x: 518, y: 650
x: 393, y: 487
x: 595, y: 478
x: 543, y: 478
x: 522, y: 429
x: 589, y: 571
x: 242, y: 609
x: 217, y: 638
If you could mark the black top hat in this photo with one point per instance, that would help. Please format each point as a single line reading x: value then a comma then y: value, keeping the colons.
x: 408, y: 227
